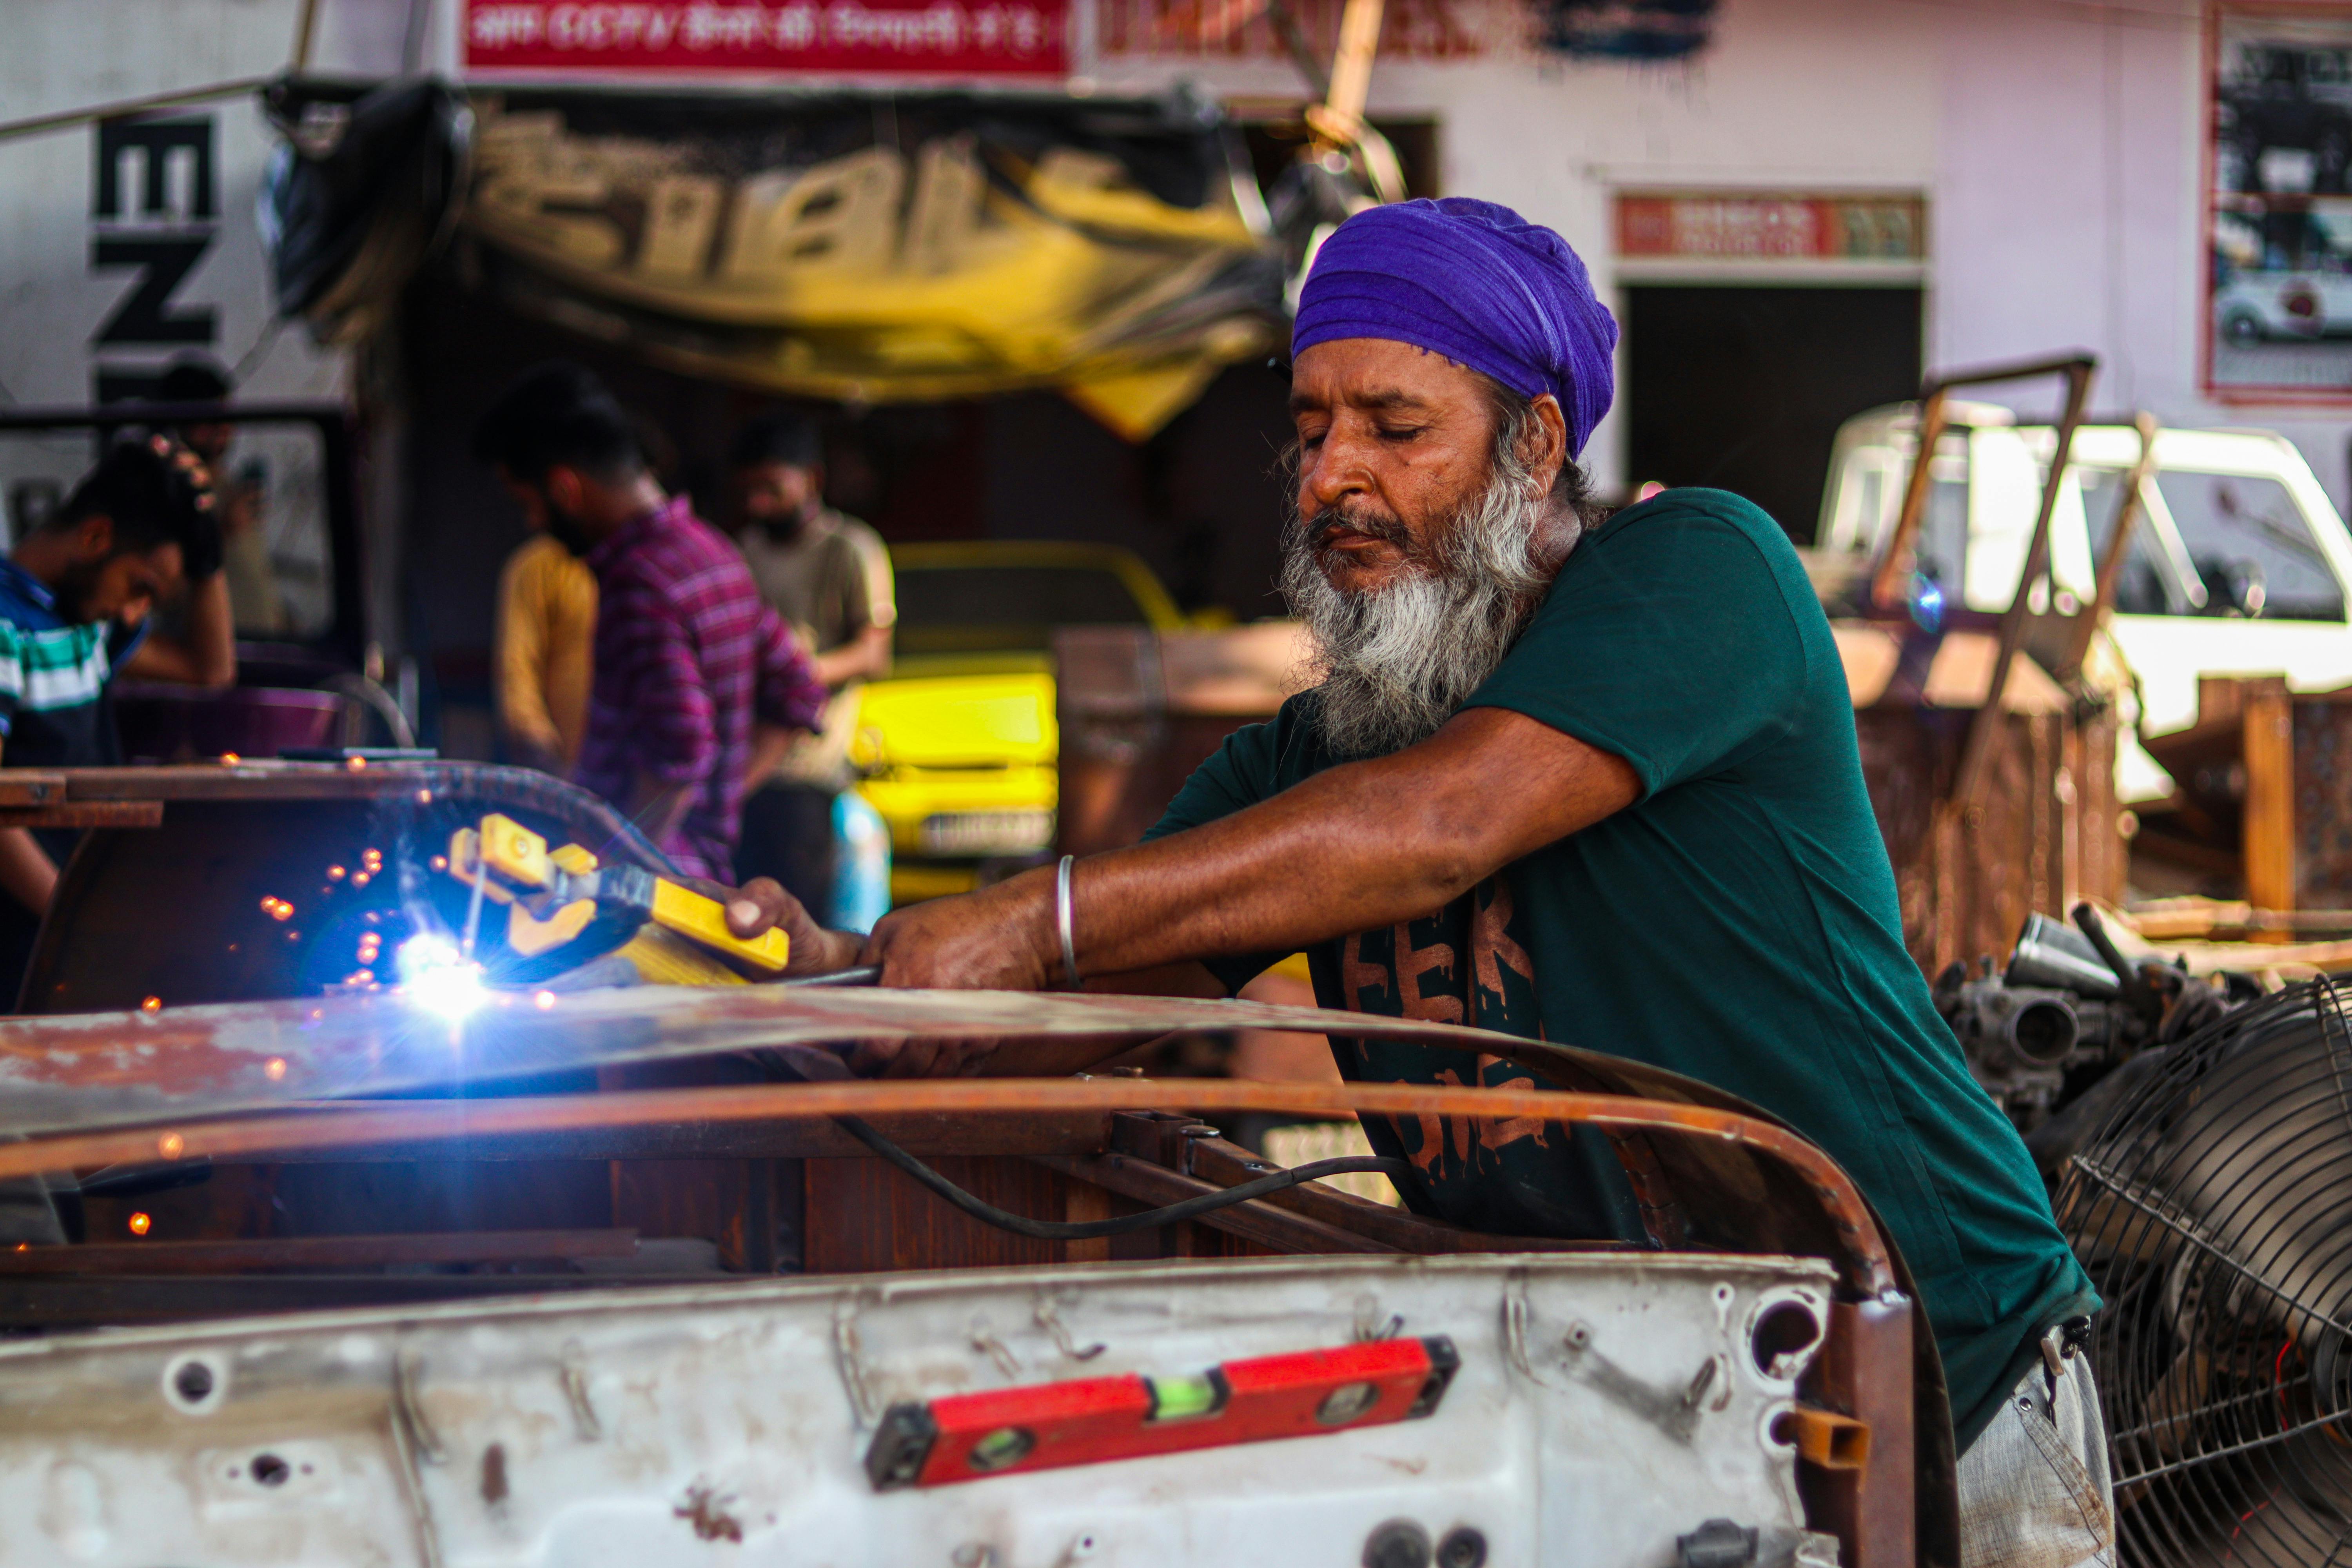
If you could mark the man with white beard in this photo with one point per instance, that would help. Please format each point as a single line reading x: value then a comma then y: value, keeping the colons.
x: 1591, y: 780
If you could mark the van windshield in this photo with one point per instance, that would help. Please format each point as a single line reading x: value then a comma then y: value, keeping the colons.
x: 2252, y: 546
x: 2148, y: 585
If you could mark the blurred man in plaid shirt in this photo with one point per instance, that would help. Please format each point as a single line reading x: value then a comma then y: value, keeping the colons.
x: 694, y: 673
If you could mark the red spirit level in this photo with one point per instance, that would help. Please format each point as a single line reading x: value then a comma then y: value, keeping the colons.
x: 1093, y: 1420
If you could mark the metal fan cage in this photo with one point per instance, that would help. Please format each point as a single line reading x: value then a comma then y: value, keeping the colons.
x: 2213, y: 1208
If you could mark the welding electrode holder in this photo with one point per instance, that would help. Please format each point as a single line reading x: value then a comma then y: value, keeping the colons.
x: 564, y: 907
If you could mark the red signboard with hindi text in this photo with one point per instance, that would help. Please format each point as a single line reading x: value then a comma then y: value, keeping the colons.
x: 831, y: 37
x: 1747, y: 226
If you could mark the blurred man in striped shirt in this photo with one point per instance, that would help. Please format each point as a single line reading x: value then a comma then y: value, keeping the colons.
x: 697, y: 682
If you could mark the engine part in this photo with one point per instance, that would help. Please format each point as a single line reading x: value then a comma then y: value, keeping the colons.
x: 2050, y: 956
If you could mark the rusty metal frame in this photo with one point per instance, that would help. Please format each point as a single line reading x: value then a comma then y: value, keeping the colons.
x: 1868, y: 1268
x: 1886, y: 582
x: 2111, y: 563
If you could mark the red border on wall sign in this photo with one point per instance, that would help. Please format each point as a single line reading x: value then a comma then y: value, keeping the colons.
x: 1025, y: 39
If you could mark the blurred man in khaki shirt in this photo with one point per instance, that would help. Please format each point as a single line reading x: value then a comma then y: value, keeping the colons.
x: 829, y: 576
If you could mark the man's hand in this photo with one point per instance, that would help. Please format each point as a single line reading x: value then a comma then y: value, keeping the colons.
x: 1001, y: 938
x: 205, y: 654
x: 760, y: 905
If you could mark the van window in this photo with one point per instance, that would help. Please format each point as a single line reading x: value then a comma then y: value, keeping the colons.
x: 270, y: 483
x: 2252, y: 546
x: 2147, y: 585
x: 272, y: 487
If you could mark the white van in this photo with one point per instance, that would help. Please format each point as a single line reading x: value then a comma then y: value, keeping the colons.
x: 2238, y: 564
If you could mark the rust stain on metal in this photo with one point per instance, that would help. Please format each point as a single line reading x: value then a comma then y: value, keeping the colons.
x: 705, y: 1510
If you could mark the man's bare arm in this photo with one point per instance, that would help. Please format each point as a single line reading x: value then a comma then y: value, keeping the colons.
x: 865, y: 656
x: 205, y: 654
x: 769, y: 745
x: 26, y: 873
x: 1358, y: 846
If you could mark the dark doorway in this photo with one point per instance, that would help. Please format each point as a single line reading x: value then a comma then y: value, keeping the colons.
x: 1744, y: 388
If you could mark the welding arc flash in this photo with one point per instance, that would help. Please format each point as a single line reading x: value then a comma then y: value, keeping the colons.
x: 438, y: 977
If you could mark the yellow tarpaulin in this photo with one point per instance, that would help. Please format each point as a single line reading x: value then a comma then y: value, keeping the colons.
x: 956, y: 246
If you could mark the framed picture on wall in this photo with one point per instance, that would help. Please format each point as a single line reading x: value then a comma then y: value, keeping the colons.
x: 2278, y: 213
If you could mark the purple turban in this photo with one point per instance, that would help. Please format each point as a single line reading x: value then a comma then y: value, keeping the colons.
x: 1473, y: 281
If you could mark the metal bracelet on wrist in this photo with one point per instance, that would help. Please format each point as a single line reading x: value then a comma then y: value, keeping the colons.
x: 1063, y: 920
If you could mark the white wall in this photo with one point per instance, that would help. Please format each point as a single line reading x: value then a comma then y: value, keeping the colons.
x: 71, y: 54
x: 2059, y: 145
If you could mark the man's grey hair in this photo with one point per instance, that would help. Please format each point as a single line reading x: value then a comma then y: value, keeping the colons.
x: 1396, y: 663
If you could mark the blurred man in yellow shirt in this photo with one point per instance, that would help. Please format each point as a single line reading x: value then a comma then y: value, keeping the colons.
x: 546, y: 633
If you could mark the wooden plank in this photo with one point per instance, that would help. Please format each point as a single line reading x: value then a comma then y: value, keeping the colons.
x: 864, y: 1216
x: 2323, y: 800
x: 2268, y: 834
x: 1085, y: 1203
x: 24, y: 786
x: 316, y: 1252
x: 255, y: 781
x: 85, y: 814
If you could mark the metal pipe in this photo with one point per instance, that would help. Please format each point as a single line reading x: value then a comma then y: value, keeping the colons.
x: 65, y: 119
x: 2048, y: 954
x: 1351, y: 65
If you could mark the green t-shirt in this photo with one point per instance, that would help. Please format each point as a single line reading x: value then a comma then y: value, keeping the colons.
x: 1738, y: 923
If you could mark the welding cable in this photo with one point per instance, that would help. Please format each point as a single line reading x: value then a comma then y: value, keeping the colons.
x: 1089, y: 1229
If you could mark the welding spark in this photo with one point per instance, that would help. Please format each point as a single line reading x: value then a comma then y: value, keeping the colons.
x: 438, y: 977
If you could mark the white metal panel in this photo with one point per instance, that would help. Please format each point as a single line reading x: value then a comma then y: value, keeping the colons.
x: 658, y: 1426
